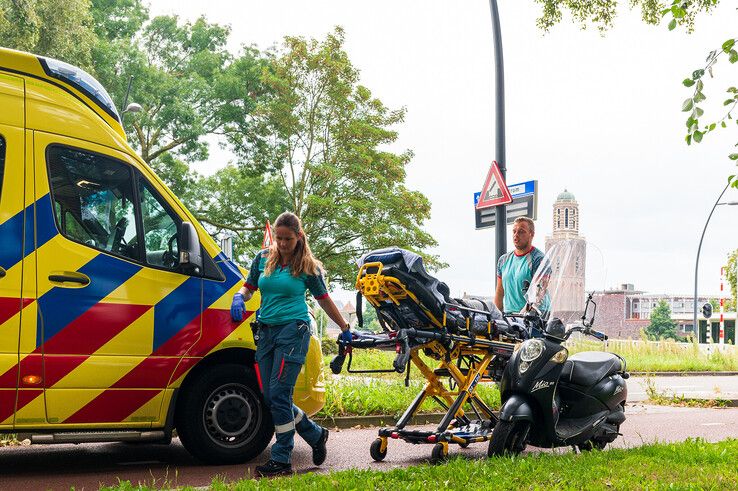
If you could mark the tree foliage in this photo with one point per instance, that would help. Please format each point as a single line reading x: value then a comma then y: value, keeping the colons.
x: 324, y: 137
x: 62, y: 30
x: 731, y: 275
x: 679, y: 13
x: 311, y: 139
x: 662, y: 326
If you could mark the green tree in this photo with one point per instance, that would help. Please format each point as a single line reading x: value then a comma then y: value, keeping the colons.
x: 662, y: 326
x: 187, y: 83
x: 369, y: 316
x: 62, y: 30
x: 324, y: 137
x: 679, y: 13
x: 731, y: 274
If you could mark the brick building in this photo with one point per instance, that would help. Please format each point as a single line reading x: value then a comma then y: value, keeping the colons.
x: 623, y: 312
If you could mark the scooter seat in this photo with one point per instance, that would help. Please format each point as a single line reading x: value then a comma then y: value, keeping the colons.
x: 589, y: 367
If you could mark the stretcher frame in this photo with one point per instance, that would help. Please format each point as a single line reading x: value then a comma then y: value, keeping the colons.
x: 464, y: 357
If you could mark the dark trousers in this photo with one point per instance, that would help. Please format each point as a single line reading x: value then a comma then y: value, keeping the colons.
x: 280, y: 355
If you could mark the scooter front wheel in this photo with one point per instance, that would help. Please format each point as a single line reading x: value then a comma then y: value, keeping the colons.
x: 508, y: 438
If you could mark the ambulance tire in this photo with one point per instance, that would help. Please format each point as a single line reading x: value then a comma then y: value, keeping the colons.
x: 221, y: 417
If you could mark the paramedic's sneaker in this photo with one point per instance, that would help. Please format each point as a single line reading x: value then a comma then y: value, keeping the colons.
x: 273, y: 468
x: 319, y: 450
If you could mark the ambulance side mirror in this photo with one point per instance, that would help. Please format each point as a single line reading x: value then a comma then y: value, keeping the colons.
x: 190, y: 252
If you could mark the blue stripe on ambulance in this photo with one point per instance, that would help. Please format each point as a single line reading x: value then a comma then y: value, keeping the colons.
x: 13, y: 229
x: 176, y: 310
x: 181, y: 307
x: 10, y: 246
x: 62, y: 305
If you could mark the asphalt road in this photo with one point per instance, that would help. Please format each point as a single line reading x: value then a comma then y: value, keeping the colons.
x: 90, y: 465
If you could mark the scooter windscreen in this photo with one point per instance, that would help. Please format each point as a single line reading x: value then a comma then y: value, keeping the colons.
x: 569, y: 269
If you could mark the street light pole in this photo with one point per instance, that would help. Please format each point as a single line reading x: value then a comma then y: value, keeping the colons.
x: 500, y: 210
x: 697, y: 261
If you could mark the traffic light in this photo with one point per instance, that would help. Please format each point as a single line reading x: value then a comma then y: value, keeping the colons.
x: 707, y: 310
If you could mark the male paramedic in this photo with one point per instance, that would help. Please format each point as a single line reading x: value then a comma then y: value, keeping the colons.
x: 515, y: 269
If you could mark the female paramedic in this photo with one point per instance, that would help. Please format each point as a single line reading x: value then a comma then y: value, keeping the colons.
x: 283, y: 273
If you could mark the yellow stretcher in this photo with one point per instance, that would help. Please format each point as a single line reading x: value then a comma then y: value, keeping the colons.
x: 469, y: 340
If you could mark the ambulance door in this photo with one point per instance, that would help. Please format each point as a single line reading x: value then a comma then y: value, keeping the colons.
x: 114, y: 311
x: 13, y: 215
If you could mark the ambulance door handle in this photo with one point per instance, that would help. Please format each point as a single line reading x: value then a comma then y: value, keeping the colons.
x: 2, y: 273
x: 70, y: 277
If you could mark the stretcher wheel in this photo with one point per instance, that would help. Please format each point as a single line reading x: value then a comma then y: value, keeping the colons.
x: 439, y: 453
x: 375, y: 450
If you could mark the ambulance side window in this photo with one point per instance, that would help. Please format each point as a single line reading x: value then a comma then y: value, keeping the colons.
x: 93, y: 200
x: 2, y: 164
x: 160, y: 228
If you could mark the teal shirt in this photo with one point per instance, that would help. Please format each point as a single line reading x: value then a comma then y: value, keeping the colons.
x: 513, y: 271
x: 283, y: 295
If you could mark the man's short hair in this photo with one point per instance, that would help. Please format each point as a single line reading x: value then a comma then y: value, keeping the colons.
x: 531, y: 224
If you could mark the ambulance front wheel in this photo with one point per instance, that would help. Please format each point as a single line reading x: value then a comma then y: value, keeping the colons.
x: 221, y: 417
x: 375, y: 450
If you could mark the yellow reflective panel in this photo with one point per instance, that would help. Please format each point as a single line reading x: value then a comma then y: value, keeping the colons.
x: 97, y: 371
x: 9, y: 328
x: 53, y: 110
x: 66, y: 402
x: 241, y: 337
x: 136, y: 339
x: 149, y: 412
x: 75, y: 256
x: 11, y: 100
x: 13, y: 178
x: 147, y: 287
x: 33, y: 413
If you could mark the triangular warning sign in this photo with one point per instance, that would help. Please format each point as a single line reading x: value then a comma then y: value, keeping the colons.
x: 495, y: 190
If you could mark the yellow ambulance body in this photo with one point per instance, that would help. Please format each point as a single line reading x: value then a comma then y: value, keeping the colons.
x: 114, y: 300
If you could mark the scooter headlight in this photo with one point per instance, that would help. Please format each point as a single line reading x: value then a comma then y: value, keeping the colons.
x: 532, y: 349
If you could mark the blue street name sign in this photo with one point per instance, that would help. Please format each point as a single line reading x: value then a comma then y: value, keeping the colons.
x: 516, y: 190
x: 524, y: 204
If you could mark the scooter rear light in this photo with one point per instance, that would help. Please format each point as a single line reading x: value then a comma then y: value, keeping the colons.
x: 394, y: 435
x: 431, y: 439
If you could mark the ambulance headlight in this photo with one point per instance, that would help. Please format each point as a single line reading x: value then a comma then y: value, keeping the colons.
x: 532, y: 349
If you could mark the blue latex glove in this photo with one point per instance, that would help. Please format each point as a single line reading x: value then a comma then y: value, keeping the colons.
x: 238, y: 307
x: 345, y: 336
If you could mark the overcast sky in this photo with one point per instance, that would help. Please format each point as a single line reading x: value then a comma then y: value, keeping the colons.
x: 599, y: 116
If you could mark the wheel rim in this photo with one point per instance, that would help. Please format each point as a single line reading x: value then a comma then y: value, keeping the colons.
x: 232, y: 415
x: 518, y: 436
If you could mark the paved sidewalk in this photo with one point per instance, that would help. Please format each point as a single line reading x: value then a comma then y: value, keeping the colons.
x: 692, y: 387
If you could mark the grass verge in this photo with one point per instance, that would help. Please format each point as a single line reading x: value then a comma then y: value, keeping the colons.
x: 693, y: 464
x: 641, y: 356
x: 367, y: 396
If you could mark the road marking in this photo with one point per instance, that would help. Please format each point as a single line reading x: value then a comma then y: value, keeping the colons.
x: 712, y: 424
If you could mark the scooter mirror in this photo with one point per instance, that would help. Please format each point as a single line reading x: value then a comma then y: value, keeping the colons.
x: 556, y: 328
x: 589, y: 312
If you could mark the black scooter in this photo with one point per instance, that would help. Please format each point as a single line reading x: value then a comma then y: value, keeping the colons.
x: 551, y: 400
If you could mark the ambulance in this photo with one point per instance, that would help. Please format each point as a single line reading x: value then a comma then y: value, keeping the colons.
x: 114, y: 300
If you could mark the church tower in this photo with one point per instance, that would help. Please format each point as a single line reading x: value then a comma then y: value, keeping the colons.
x: 571, y: 296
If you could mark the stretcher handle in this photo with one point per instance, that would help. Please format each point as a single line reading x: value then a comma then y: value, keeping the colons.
x: 403, y: 356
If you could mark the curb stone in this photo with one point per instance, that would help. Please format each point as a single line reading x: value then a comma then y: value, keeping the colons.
x: 382, y: 420
x: 682, y: 374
